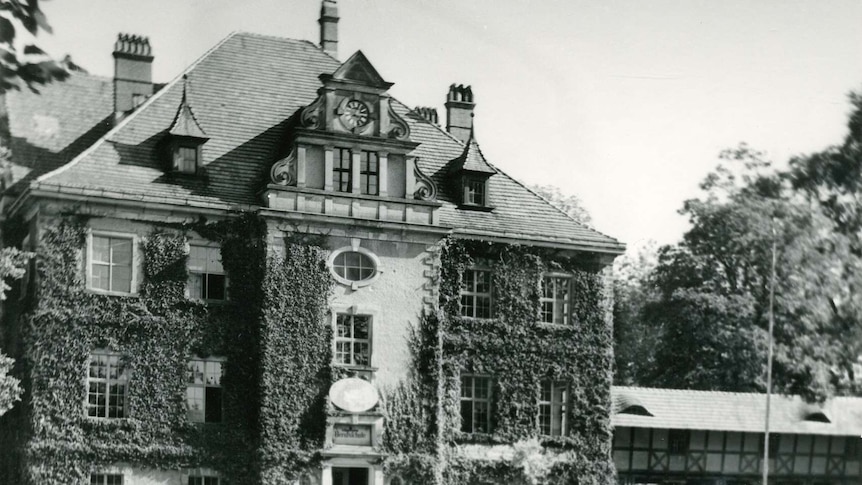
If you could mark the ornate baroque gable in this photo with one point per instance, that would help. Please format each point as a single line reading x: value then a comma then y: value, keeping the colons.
x: 350, y: 154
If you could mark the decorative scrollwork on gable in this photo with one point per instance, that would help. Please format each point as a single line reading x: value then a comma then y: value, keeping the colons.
x: 283, y: 172
x: 398, y: 128
x: 426, y: 189
x: 312, y: 115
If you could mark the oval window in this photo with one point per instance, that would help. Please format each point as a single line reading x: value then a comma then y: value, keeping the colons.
x: 354, y: 266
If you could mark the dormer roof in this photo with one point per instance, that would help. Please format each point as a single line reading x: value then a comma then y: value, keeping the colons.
x: 472, y: 159
x: 185, y: 124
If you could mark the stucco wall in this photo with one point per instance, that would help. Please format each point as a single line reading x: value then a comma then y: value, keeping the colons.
x: 394, y: 299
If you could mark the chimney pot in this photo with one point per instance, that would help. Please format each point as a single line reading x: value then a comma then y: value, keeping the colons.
x: 428, y: 114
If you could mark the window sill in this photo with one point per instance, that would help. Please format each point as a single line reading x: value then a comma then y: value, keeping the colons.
x: 356, y: 368
x: 556, y: 326
x: 208, y: 302
x: 96, y: 291
x: 475, y: 207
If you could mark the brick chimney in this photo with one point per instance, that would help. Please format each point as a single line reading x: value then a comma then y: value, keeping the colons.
x: 133, y: 72
x: 329, y: 27
x: 429, y: 114
x: 459, y: 111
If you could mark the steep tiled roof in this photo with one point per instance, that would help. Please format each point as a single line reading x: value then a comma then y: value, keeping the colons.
x: 245, y: 90
x: 730, y: 411
x: 50, y: 128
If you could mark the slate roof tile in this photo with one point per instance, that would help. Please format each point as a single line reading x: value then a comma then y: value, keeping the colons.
x: 49, y: 128
x: 243, y: 92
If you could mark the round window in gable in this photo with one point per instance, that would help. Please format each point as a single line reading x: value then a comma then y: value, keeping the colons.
x: 354, y: 266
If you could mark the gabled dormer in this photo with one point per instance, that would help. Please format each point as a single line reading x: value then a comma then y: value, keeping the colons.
x: 353, y: 100
x: 349, y: 153
x: 186, y: 137
x: 469, y: 176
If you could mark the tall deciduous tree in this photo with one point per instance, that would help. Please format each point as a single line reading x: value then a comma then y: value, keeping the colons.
x: 12, y: 264
x: 24, y: 63
x: 635, y: 339
x: 712, y: 289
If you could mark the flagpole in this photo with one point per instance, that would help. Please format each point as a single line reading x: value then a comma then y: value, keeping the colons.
x: 769, y: 358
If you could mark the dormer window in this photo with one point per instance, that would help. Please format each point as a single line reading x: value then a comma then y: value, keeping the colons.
x: 474, y: 191
x: 187, y: 137
x: 186, y: 158
x: 470, y: 173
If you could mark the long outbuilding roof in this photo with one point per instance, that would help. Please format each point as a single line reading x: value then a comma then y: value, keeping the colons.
x: 642, y: 407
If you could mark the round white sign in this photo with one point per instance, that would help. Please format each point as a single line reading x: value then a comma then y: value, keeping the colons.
x: 353, y: 395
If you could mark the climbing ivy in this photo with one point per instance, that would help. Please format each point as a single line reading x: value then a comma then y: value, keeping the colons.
x: 156, y: 332
x: 275, y: 333
x: 519, y: 353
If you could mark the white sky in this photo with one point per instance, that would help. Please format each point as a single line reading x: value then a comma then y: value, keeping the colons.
x: 624, y: 103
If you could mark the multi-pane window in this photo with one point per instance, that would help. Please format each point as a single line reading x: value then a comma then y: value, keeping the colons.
x: 553, y: 398
x: 111, y: 265
x: 555, y: 299
x: 353, y: 266
x: 474, y: 192
x: 477, y: 400
x: 476, y: 293
x: 204, y: 391
x: 206, y: 274
x: 341, y: 163
x: 353, y: 339
x: 186, y: 159
x: 106, y: 479
x: 368, y: 173
x: 107, y: 382
x: 203, y: 480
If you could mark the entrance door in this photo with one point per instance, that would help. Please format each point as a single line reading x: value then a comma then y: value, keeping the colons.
x: 349, y: 476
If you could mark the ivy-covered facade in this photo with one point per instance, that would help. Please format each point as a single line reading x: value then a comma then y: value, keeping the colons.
x: 303, y: 282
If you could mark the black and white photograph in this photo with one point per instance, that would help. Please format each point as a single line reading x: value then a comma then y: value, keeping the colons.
x: 430, y: 242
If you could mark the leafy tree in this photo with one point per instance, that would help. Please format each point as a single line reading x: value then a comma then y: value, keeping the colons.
x: 27, y: 64
x: 635, y: 339
x: 12, y: 264
x: 570, y: 204
x: 713, y: 287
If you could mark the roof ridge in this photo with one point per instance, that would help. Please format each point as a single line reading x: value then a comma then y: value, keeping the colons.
x: 44, y: 177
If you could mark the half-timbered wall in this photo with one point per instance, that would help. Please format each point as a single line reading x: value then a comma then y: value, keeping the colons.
x: 646, y: 455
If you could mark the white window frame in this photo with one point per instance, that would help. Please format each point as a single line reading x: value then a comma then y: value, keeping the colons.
x: 489, y: 401
x: 373, y: 312
x: 133, y: 287
x: 191, y: 385
x: 562, y: 407
x: 355, y: 246
x: 567, y: 303
x: 108, y: 381
x: 207, y: 245
x: 202, y: 473
x: 352, y: 340
x: 105, y: 475
x: 475, y: 295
